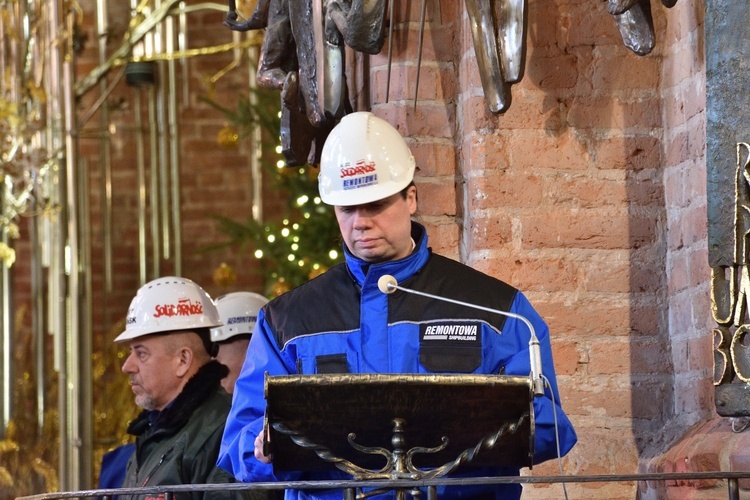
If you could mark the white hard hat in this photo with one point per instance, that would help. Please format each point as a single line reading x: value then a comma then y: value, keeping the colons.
x: 239, y: 312
x: 168, y: 304
x: 364, y: 159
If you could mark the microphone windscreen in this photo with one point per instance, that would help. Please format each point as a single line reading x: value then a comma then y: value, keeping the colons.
x: 387, y: 283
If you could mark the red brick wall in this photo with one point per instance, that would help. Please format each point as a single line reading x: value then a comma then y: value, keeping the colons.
x: 589, y: 195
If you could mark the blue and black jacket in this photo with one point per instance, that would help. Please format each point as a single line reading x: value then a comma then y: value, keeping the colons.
x: 340, y: 322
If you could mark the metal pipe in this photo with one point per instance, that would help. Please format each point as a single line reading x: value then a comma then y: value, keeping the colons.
x: 122, y: 52
x: 140, y: 161
x: 105, y: 149
x: 182, y: 44
x: 174, y: 146
x: 419, y: 50
x: 7, y: 339
x: 733, y: 488
x: 256, y: 172
x: 353, y: 485
x: 6, y: 327
x: 3, y: 63
x: 79, y: 354
x: 154, y: 166
x: 106, y: 91
x: 57, y: 291
x: 390, y: 49
x: 163, y: 143
x: 84, y: 395
x: 37, y: 314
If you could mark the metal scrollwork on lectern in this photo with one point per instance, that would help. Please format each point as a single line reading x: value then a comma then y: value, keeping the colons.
x: 399, y: 461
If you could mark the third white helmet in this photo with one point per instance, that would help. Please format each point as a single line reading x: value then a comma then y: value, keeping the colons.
x: 364, y: 159
x: 238, y: 312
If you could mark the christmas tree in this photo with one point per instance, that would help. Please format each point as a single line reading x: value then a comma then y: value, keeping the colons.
x: 304, y: 241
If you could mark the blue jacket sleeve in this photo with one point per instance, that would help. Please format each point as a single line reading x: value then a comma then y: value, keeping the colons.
x: 245, y: 420
x: 547, y: 408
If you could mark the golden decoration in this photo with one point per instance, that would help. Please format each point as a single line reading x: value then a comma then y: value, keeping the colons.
x: 29, y: 467
x: 245, y: 8
x: 315, y: 272
x: 228, y: 137
x: 114, y: 405
x: 7, y: 255
x: 32, y: 467
x: 224, y: 275
x: 280, y: 287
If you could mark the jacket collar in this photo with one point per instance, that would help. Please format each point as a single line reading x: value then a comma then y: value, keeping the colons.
x: 365, y: 273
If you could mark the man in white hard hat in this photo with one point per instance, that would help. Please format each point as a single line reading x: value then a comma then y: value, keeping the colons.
x: 178, y: 386
x: 238, y: 312
x: 341, y: 321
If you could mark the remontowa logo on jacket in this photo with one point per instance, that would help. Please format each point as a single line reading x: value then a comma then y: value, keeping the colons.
x: 450, y: 331
x: 450, y: 346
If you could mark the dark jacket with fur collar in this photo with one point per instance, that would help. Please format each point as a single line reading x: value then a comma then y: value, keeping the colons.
x: 180, y: 444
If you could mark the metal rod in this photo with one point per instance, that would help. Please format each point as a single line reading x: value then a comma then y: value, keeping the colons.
x: 163, y: 143
x: 182, y: 44
x: 6, y: 330
x: 154, y: 176
x: 124, y: 50
x: 37, y: 316
x: 106, y: 91
x: 390, y: 49
x: 78, y: 358
x: 105, y: 147
x: 734, y: 489
x: 348, y: 485
x: 419, y: 50
x: 174, y: 147
x: 3, y: 62
x: 83, y: 355
x: 57, y: 290
x: 256, y: 172
x: 7, y: 339
x: 140, y: 161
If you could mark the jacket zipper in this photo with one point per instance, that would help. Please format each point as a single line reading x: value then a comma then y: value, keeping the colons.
x: 161, y: 461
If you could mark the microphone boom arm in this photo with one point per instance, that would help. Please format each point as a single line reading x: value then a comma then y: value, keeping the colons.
x: 388, y: 284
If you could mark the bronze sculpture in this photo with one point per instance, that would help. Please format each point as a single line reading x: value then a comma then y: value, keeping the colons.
x: 303, y: 54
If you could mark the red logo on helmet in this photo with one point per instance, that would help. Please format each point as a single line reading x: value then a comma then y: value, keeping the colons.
x: 184, y: 307
x: 359, y: 168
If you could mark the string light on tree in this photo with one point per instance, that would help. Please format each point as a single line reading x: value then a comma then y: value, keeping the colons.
x: 303, y: 240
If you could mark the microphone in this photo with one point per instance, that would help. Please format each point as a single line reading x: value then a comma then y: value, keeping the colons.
x: 388, y: 284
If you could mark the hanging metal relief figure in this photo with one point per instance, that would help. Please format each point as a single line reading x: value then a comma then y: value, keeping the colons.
x: 258, y: 20
x: 500, y: 48
x: 633, y: 19
x: 303, y: 56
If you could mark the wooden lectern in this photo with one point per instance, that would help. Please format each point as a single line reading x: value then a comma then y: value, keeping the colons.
x: 376, y: 426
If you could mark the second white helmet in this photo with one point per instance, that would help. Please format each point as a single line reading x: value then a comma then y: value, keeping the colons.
x: 239, y: 312
x: 364, y: 159
x: 169, y: 304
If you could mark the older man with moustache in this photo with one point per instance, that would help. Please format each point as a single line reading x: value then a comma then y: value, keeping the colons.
x: 178, y: 385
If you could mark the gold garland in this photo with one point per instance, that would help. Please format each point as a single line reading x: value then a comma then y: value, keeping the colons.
x: 31, y: 467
